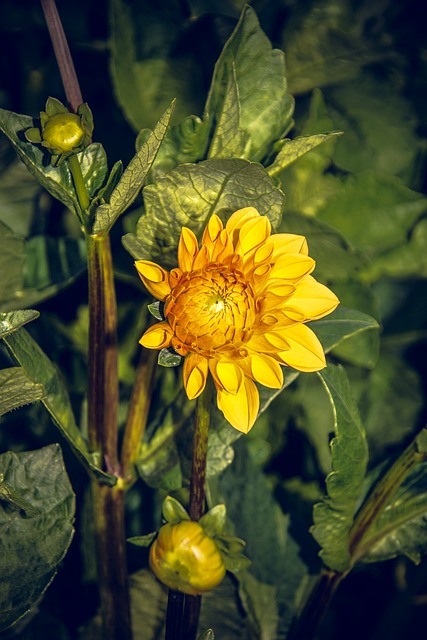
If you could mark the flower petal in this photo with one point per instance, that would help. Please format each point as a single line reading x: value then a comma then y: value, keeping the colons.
x: 288, y: 243
x: 266, y: 371
x: 154, y: 277
x: 187, y: 249
x: 212, y: 230
x: 241, y: 409
x: 159, y: 336
x: 226, y: 375
x: 239, y: 218
x: 310, y: 301
x: 292, y: 266
x: 305, y: 353
x: 253, y: 234
x: 194, y: 374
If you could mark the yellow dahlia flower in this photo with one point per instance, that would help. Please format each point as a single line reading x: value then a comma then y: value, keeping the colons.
x: 235, y: 307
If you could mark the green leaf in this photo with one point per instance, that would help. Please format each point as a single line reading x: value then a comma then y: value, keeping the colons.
x: 11, y: 265
x: 257, y: 519
x: 33, y: 542
x: 56, y: 399
x: 213, y: 522
x: 133, y: 178
x: 143, y: 541
x: 14, y: 320
x: 51, y: 261
x: 401, y: 529
x: 379, y: 211
x: 190, y: 194
x: 229, y: 139
x: 260, y: 84
x: 379, y: 124
x: 341, y: 324
x: 16, y: 204
x: 149, y: 63
x: 291, y: 150
x: 17, y: 389
x: 333, y: 517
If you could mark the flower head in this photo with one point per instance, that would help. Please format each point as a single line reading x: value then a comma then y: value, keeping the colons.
x: 235, y: 307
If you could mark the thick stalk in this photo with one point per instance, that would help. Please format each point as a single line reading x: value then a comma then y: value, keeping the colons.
x: 103, y: 382
x: 112, y: 571
x: 138, y: 413
x: 62, y: 53
x: 182, y: 621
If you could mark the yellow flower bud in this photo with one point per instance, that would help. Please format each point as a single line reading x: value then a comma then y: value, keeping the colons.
x: 63, y: 132
x: 185, y: 558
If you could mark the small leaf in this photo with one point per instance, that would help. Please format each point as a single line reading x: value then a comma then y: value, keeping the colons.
x: 213, y: 522
x: 17, y: 389
x: 143, y: 541
x: 14, y: 320
x: 228, y: 138
x: 168, y: 358
x: 133, y: 178
x: 333, y: 517
x: 154, y: 309
x: 173, y: 511
x: 32, y: 546
x: 291, y: 150
x: 190, y: 194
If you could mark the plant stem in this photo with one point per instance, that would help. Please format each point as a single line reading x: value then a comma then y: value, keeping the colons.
x: 138, y: 413
x: 103, y: 377
x: 182, y: 619
x: 112, y: 571
x: 79, y: 183
x: 62, y: 54
x: 305, y: 628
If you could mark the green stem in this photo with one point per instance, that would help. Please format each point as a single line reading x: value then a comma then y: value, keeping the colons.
x: 138, y: 413
x: 111, y: 554
x: 62, y: 53
x: 378, y: 499
x: 182, y: 619
x: 79, y: 183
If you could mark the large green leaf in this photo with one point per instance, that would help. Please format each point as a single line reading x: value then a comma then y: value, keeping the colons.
x: 13, y: 320
x: 36, y: 515
x: 56, y: 399
x: 17, y: 389
x: 11, y: 265
x: 250, y: 70
x: 341, y: 324
x: 16, y: 204
x: 291, y: 150
x: 379, y: 211
x: 133, y: 178
x: 190, y: 194
x: 333, y: 517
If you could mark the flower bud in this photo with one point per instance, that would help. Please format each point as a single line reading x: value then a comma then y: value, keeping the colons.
x: 185, y: 558
x: 63, y: 132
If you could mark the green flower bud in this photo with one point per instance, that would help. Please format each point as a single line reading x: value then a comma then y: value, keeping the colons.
x: 63, y: 132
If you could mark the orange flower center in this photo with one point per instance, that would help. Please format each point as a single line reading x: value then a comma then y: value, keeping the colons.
x: 211, y: 309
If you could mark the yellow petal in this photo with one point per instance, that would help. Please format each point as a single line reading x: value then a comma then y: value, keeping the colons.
x: 194, y: 373
x: 253, y: 234
x: 305, y: 353
x: 227, y: 375
x: 288, y: 243
x: 310, y: 301
x: 212, y: 230
x: 238, y: 218
x: 292, y: 266
x: 241, y: 409
x: 154, y: 277
x: 159, y: 336
x: 187, y: 249
x: 266, y: 371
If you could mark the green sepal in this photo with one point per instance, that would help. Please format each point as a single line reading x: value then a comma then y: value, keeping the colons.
x: 33, y: 135
x: 154, y: 309
x: 231, y: 550
x: 213, y: 522
x: 173, y: 511
x: 143, y: 541
x: 52, y: 108
x: 168, y: 358
x: 207, y: 635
